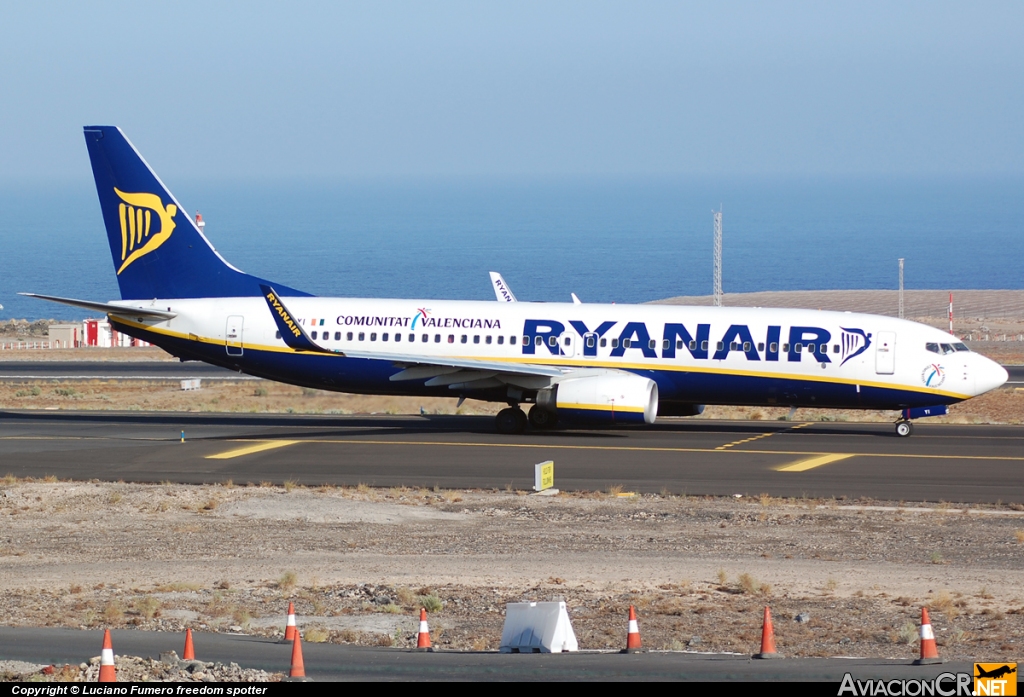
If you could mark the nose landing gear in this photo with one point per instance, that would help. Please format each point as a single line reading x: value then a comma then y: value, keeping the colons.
x: 904, y: 428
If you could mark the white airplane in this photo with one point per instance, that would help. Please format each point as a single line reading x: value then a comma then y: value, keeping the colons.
x: 588, y: 364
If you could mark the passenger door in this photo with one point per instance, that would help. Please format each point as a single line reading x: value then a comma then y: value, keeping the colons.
x: 885, y: 353
x: 233, y: 335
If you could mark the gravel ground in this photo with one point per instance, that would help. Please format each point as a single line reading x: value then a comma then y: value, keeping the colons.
x: 135, y: 669
x: 841, y: 577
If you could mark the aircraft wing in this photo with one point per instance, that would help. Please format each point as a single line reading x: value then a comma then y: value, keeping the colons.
x: 438, y: 370
x: 109, y: 308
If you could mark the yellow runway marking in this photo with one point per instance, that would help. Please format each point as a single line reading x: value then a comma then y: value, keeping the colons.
x: 811, y: 463
x: 249, y: 449
x: 628, y: 448
x: 763, y: 435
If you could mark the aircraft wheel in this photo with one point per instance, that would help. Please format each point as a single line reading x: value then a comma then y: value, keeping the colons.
x: 904, y: 428
x: 542, y: 419
x: 511, y: 420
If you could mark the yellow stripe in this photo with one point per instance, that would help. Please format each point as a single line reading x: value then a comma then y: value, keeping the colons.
x: 569, y: 363
x: 811, y: 463
x: 629, y: 448
x: 249, y: 449
x: 601, y: 407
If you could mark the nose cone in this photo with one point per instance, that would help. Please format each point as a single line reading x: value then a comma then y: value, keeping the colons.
x: 989, y: 375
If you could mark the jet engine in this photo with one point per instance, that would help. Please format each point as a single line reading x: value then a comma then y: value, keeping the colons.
x: 610, y: 397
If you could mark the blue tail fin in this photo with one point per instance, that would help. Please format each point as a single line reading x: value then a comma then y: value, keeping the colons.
x: 158, y: 251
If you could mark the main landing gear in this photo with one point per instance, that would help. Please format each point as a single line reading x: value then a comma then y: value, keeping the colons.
x: 510, y: 420
x: 904, y: 428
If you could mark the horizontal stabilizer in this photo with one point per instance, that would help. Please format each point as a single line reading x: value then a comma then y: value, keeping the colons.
x: 109, y: 308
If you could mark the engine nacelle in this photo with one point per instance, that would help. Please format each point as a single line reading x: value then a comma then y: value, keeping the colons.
x: 608, y: 397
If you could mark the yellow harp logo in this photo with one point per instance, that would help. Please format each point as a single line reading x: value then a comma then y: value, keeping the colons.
x: 136, y: 215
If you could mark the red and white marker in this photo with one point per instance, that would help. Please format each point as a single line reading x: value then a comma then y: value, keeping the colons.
x: 107, y: 671
x: 289, y: 629
x: 633, y: 633
x: 423, y: 640
x: 929, y: 652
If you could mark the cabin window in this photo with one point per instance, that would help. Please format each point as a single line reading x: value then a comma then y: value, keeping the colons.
x: 277, y: 335
x: 362, y: 336
x: 568, y: 341
x: 734, y: 346
x: 760, y: 346
x: 615, y: 343
x: 746, y: 346
x: 512, y: 341
x: 348, y: 337
x: 526, y: 341
x: 552, y: 341
x: 604, y: 342
x: 476, y: 338
x: 314, y: 334
x: 437, y: 338
x: 412, y: 338
x: 425, y: 338
x: 626, y: 343
x: 384, y: 336
x: 773, y: 347
x: 785, y: 348
x: 501, y: 340
x: 835, y: 348
x: 798, y: 348
x: 590, y: 341
x: 373, y: 336
x: 652, y: 343
x: 720, y: 346
x: 488, y: 338
x: 463, y: 339
x: 703, y: 346
x: 693, y: 346
x: 538, y: 341
x: 398, y: 337
x: 451, y: 338
x: 679, y: 344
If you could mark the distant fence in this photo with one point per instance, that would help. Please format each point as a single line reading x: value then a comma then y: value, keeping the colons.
x: 23, y: 345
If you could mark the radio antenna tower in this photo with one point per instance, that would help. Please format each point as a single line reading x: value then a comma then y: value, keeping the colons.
x: 901, y: 289
x: 718, y: 257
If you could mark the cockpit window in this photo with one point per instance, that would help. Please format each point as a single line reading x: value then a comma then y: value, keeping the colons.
x: 933, y: 348
x: 946, y: 348
x: 960, y: 347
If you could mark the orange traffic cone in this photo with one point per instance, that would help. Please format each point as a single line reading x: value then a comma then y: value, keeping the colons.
x: 298, y: 667
x: 289, y: 628
x: 423, y: 640
x: 633, y: 633
x: 190, y: 652
x: 107, y: 671
x: 929, y: 652
x: 768, y: 637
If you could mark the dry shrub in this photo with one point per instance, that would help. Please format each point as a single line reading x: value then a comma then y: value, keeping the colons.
x: 405, y: 596
x: 289, y: 485
x: 147, y: 606
x: 723, y: 577
x: 287, y: 580
x: 113, y: 614
x: 1019, y: 536
x: 349, y: 636
x: 431, y: 603
x: 480, y: 643
x: 316, y: 635
x: 75, y: 589
x: 241, y: 616
x: 178, y: 587
x: 943, y: 602
x: 390, y: 609
x: 384, y: 640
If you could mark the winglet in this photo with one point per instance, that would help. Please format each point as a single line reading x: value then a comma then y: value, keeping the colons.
x: 291, y: 331
x: 501, y: 289
x: 575, y: 300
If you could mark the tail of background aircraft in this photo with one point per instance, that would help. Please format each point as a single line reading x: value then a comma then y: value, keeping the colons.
x: 157, y: 249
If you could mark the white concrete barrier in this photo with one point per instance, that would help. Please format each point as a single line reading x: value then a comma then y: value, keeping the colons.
x: 537, y: 628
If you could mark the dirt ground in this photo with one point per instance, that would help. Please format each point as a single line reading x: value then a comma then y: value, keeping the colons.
x: 842, y: 577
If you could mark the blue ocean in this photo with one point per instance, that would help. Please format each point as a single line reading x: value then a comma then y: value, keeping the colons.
x: 620, y: 240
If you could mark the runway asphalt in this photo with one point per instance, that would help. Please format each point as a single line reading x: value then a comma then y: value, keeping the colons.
x: 336, y: 663
x: 951, y: 463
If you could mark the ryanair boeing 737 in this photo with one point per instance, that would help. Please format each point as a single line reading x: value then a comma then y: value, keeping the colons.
x: 580, y: 363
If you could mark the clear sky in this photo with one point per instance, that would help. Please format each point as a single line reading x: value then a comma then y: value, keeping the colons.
x: 332, y: 89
